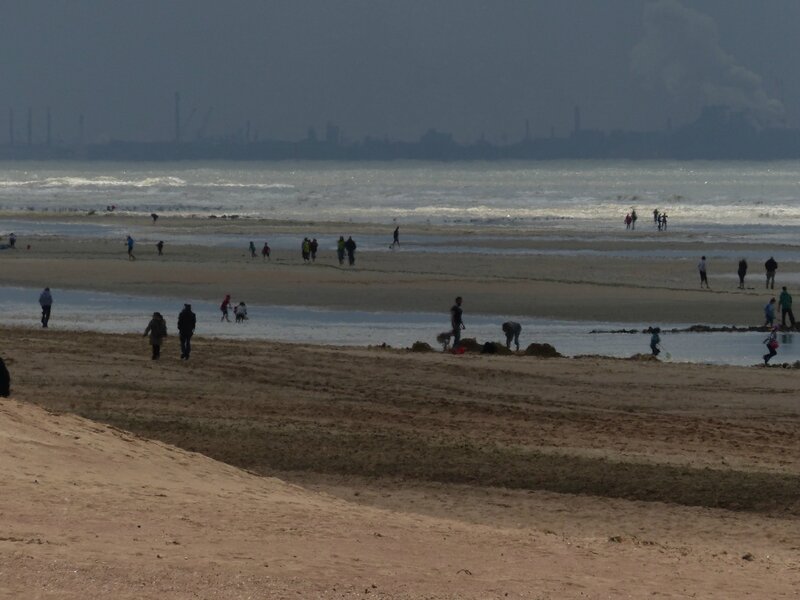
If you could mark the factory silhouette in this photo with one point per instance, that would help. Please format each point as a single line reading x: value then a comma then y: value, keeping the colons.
x: 718, y: 133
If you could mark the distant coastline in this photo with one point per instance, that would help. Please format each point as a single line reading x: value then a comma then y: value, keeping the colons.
x: 718, y: 134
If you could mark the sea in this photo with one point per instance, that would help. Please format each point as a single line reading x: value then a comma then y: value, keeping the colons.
x: 712, y: 202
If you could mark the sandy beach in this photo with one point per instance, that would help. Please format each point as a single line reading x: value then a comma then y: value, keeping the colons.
x: 262, y: 469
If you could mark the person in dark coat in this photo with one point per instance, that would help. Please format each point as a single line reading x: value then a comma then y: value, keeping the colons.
x: 157, y: 330
x: 512, y: 331
x: 186, y: 324
x: 771, y: 266
x: 313, y: 247
x: 46, y: 302
x: 350, y: 247
x: 742, y: 271
x: 457, y: 321
x: 5, y: 380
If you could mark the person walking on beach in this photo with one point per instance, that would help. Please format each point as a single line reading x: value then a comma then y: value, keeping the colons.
x: 771, y: 266
x: 457, y: 321
x: 12, y: 240
x: 772, y: 344
x: 305, y: 249
x: 627, y: 221
x: 252, y: 249
x: 313, y: 247
x: 157, y: 330
x: 769, y: 313
x: 46, y: 302
x: 187, y: 321
x: 265, y: 252
x: 129, y: 241
x: 5, y: 380
x: 340, y: 249
x: 224, y: 308
x: 656, y: 220
x: 633, y: 218
x: 350, y: 247
x: 742, y: 271
x: 785, y: 306
x: 655, y: 340
x: 395, y: 237
x: 160, y: 247
x: 512, y: 330
x: 701, y: 268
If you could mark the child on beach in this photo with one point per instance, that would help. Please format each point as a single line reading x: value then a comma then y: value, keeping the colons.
x: 265, y: 251
x: 252, y: 249
x: 655, y: 340
x: 129, y: 242
x: 224, y: 308
x: 769, y: 313
x: 240, y: 312
x: 772, y: 344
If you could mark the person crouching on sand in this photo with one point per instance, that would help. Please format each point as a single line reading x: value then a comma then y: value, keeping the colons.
x: 157, y: 330
x: 512, y: 331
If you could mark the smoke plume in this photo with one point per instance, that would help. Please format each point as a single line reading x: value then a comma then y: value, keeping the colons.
x: 680, y: 55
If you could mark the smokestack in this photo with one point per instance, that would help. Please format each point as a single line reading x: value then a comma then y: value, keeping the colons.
x: 577, y: 119
x: 49, y: 127
x: 177, y: 117
x: 11, y: 126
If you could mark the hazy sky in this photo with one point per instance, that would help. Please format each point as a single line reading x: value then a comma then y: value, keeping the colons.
x: 394, y: 67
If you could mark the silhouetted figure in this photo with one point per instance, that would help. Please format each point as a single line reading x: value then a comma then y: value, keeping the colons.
x: 46, y: 302
x: 186, y: 324
x: 785, y: 305
x: 157, y: 330
x: 627, y: 221
x: 633, y: 219
x: 396, y: 237
x: 129, y: 242
x: 656, y: 220
x: 240, y: 312
x: 305, y: 250
x: 662, y: 223
x: 655, y: 340
x: 771, y: 266
x: 350, y: 247
x: 741, y: 272
x: 772, y: 344
x: 265, y: 252
x: 512, y: 331
x: 12, y: 240
x: 252, y: 249
x: 154, y: 216
x: 457, y: 321
x: 5, y: 380
x: 701, y: 268
x: 160, y: 247
x: 340, y: 244
x: 313, y: 247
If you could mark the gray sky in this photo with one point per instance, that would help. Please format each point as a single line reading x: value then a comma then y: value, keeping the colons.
x: 392, y: 67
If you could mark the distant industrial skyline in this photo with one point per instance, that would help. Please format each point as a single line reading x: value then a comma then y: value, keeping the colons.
x: 378, y: 68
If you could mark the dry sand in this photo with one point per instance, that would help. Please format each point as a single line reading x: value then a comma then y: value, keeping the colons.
x: 421, y: 475
x: 380, y: 473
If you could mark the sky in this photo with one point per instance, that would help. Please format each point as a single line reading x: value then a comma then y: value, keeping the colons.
x: 391, y: 68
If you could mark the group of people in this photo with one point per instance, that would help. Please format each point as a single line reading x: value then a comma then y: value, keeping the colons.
x: 511, y: 329
x: 157, y: 330
x: 659, y: 218
x: 239, y: 310
x: 770, y: 267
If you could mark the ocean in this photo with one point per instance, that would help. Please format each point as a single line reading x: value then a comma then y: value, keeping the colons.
x: 734, y: 198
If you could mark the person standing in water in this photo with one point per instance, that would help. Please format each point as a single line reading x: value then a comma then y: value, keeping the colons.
x: 772, y: 344
x: 350, y: 247
x: 265, y: 252
x: 46, y: 302
x: 160, y: 247
x: 633, y: 218
x: 226, y: 303
x: 340, y: 248
x: 655, y: 340
x: 396, y: 237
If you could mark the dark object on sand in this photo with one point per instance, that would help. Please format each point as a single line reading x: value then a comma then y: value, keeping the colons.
x: 421, y: 347
x: 542, y: 350
x: 5, y: 380
x: 495, y: 348
x: 470, y: 345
